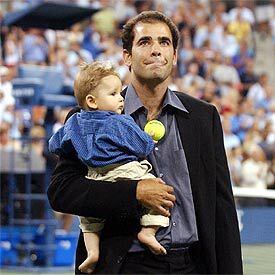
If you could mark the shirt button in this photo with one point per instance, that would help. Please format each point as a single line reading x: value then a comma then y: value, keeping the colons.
x: 156, y: 148
x: 161, y: 175
x: 174, y: 224
x: 119, y: 260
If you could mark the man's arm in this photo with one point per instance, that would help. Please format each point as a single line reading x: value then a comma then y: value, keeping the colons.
x: 228, y: 247
x: 70, y: 192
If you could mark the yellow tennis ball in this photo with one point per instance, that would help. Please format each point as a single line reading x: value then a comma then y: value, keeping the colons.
x: 155, y: 129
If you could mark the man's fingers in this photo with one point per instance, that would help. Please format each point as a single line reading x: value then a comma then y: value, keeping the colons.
x: 160, y: 180
x: 162, y: 211
x: 169, y: 189
x: 170, y: 197
x: 156, y: 195
x: 167, y: 204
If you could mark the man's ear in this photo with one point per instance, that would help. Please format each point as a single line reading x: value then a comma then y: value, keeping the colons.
x: 175, y: 57
x: 91, y: 102
x: 127, y: 57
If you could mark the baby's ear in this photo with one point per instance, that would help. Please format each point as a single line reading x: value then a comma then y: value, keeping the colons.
x: 91, y: 102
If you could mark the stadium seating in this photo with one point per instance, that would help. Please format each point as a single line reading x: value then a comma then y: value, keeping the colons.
x: 51, y: 77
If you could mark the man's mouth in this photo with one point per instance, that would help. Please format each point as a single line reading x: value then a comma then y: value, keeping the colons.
x: 155, y: 62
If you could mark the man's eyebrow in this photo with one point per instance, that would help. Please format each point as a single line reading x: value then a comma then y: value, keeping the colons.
x: 160, y: 39
x: 164, y: 38
x: 145, y: 38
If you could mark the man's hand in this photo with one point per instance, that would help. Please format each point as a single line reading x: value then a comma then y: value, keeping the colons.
x: 156, y: 195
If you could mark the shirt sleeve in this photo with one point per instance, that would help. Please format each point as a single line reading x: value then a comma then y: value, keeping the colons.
x: 60, y: 142
x: 127, y: 135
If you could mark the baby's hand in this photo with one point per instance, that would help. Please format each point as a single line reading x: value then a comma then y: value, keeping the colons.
x: 151, y: 134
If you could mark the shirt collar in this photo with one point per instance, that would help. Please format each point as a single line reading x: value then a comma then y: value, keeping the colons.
x: 133, y: 103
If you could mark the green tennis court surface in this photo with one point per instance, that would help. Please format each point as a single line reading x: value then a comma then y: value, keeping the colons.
x: 257, y: 259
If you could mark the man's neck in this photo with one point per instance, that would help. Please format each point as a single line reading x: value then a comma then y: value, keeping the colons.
x: 151, y: 96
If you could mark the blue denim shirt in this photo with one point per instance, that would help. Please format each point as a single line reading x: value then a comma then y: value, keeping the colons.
x: 102, y: 138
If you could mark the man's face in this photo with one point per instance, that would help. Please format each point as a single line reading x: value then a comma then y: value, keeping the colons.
x: 153, y: 55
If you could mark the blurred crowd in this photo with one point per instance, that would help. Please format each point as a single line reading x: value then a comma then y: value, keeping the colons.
x: 216, y: 63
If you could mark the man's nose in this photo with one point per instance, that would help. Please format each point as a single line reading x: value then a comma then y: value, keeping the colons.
x: 156, y: 50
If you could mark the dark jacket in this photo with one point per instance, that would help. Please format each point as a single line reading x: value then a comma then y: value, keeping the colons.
x: 218, y: 232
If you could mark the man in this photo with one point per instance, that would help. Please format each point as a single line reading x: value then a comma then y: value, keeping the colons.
x: 203, y: 235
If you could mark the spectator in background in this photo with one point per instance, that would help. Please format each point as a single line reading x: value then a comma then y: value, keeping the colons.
x: 216, y: 34
x: 242, y: 120
x: 224, y: 73
x: 230, y: 140
x: 272, y: 173
x: 124, y: 10
x: 220, y: 12
x: 192, y: 77
x: 228, y: 82
x: 240, y: 59
x: 4, y: 136
x: 271, y: 117
x: 240, y: 28
x: 195, y: 11
x: 199, y: 58
x: 167, y: 7
x: 243, y: 12
x: 91, y: 40
x: 201, y: 32
x: 105, y: 20
x: 111, y: 52
x: 73, y: 57
x: 235, y: 159
x: 272, y: 27
x: 259, y: 92
x: 252, y: 138
x: 60, y: 115
x: 230, y: 46
x: 35, y: 47
x: 7, y: 100
x: 185, y: 52
x: 255, y: 169
x: 210, y: 91
x: 12, y: 50
x: 143, y: 5
x: 268, y: 141
x: 248, y: 77
x: 37, y: 135
x: 76, y: 33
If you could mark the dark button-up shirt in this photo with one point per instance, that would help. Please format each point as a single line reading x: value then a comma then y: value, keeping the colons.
x: 169, y: 163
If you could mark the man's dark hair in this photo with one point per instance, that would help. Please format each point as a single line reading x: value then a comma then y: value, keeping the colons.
x: 147, y: 17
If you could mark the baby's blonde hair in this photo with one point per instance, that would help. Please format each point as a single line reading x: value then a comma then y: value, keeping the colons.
x: 88, y: 79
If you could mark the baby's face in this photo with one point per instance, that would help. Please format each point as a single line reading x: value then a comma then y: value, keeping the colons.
x: 107, y: 95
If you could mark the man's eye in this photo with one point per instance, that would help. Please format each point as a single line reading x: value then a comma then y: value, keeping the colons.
x: 144, y: 42
x: 165, y: 43
x: 113, y: 93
